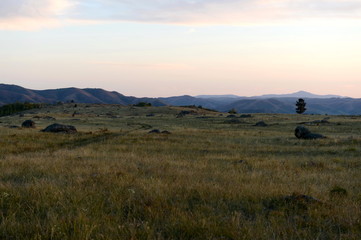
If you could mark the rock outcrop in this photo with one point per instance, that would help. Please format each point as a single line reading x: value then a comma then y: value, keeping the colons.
x: 28, y: 124
x: 60, y: 128
x: 303, y: 133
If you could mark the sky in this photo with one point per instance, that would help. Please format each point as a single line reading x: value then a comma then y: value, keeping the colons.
x: 159, y: 48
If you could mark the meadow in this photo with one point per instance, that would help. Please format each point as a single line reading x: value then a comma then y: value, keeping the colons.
x: 211, y: 177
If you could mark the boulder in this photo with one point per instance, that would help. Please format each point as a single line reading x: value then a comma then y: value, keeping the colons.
x: 157, y: 131
x: 28, y: 124
x: 261, y: 124
x: 303, y: 133
x: 154, y: 131
x: 60, y: 128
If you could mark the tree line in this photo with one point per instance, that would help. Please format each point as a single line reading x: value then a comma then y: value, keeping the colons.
x: 12, y: 108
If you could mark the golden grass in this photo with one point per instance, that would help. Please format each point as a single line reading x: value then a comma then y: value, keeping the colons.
x: 207, y: 180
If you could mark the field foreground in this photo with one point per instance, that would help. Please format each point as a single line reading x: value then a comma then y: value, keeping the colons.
x: 209, y: 177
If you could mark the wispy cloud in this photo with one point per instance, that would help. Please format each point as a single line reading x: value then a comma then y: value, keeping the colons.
x: 215, y: 11
x: 32, y: 14
x: 13, y: 13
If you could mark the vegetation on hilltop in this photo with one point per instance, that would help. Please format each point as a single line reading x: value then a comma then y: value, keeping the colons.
x: 9, y: 109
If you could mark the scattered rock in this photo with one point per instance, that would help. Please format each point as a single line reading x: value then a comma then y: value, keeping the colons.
x: 46, y: 118
x: 150, y: 115
x: 28, y: 124
x: 203, y: 117
x: 154, y: 131
x: 303, y: 133
x: 317, y: 122
x: 49, y: 118
x: 157, y: 131
x: 184, y: 113
x: 59, y: 128
x: 261, y: 124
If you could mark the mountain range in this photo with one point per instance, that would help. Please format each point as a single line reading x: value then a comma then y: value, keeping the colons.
x: 316, y: 104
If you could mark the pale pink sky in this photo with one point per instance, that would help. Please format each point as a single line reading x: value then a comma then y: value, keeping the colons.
x: 164, y: 48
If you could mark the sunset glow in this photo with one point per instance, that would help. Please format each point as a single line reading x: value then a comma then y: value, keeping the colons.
x: 165, y: 48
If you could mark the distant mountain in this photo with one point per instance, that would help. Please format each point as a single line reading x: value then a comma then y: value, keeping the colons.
x: 272, y: 103
x: 217, y: 96
x: 300, y: 94
x: 331, y: 106
x: 260, y: 106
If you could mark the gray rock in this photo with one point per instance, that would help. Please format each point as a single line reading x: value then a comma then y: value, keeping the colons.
x: 28, y: 124
x: 154, y: 131
x: 261, y: 124
x: 59, y: 128
x: 303, y: 133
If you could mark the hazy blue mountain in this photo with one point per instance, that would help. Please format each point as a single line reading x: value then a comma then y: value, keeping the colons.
x: 260, y: 106
x: 218, y: 96
x: 300, y: 94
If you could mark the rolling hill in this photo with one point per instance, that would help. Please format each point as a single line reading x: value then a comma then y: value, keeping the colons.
x: 316, y: 104
x: 13, y: 93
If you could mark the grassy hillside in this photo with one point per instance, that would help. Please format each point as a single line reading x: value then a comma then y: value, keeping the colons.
x: 212, y: 177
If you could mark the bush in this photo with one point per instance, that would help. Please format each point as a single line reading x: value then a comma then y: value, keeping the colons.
x: 232, y: 111
x: 143, y: 104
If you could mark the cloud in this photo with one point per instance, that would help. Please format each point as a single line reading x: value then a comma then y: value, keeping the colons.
x: 32, y: 14
x: 215, y: 11
x: 40, y: 13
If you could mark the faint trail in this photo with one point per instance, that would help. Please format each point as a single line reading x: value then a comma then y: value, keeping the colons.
x: 96, y: 139
x: 77, y: 143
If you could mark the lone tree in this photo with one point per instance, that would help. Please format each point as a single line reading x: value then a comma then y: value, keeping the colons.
x: 301, y: 106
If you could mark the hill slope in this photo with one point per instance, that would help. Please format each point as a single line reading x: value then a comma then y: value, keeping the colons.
x: 13, y: 93
x: 316, y: 104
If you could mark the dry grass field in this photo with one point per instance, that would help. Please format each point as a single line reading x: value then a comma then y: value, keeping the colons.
x: 212, y: 177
